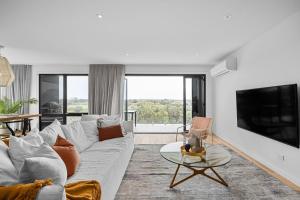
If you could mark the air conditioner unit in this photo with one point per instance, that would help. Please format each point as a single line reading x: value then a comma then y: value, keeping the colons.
x: 230, y: 64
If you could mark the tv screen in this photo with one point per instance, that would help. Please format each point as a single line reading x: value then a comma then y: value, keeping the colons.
x: 271, y: 112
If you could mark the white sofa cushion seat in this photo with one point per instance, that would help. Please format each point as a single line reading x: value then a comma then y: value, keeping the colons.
x: 105, y: 162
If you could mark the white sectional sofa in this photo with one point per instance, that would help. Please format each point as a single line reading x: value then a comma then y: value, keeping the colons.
x: 104, y: 161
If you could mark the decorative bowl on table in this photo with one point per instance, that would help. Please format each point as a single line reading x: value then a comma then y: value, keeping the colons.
x: 200, y: 153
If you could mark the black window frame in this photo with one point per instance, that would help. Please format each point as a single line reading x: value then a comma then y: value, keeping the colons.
x: 65, y: 114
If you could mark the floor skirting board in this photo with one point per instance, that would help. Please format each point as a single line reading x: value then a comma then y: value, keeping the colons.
x: 258, y: 164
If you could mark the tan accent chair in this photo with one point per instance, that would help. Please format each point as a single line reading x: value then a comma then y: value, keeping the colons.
x: 201, y: 126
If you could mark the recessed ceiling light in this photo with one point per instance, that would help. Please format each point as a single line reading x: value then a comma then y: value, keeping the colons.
x: 227, y: 17
x: 99, y: 16
x: 127, y: 54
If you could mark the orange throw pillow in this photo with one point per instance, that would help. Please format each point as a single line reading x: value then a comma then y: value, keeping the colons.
x: 110, y: 132
x: 68, y: 153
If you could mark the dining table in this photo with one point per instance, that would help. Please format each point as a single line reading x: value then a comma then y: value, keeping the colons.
x: 25, y: 119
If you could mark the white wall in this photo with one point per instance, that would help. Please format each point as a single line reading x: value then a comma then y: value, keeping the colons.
x: 130, y: 69
x: 271, y: 59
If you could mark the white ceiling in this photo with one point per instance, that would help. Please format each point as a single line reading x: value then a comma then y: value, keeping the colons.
x: 149, y: 31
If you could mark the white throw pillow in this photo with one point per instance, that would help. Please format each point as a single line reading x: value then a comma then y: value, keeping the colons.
x: 50, y: 133
x: 8, y: 172
x: 37, y: 168
x: 20, y: 149
x: 92, y: 117
x: 75, y: 133
x: 113, y: 117
x: 108, y: 121
x: 33, y: 137
x: 90, y: 130
x: 103, y: 123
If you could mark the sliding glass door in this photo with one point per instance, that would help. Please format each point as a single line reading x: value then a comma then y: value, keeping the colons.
x: 63, y: 97
x: 162, y: 103
x: 51, y: 103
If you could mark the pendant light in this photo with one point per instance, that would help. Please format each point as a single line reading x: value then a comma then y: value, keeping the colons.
x: 6, y: 74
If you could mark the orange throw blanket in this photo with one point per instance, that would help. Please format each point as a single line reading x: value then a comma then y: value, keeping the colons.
x: 23, y: 191
x: 83, y: 190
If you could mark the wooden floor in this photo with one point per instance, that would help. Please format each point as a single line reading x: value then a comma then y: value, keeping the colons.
x: 162, y: 138
x: 155, y: 138
x: 168, y: 138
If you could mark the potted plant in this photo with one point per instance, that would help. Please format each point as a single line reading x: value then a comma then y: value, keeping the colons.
x: 9, y: 107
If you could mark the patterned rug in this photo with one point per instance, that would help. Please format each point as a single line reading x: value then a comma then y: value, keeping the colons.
x: 148, y: 177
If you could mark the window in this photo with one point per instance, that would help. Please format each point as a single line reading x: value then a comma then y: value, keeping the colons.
x: 77, y: 94
x: 156, y: 99
x: 62, y: 97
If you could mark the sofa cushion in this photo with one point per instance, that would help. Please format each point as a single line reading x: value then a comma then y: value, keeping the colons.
x: 19, y: 150
x: 75, y: 134
x: 110, y: 132
x: 90, y: 130
x: 111, y: 121
x: 8, y: 172
x: 49, y: 133
x: 33, y: 137
x: 22, y: 148
x: 68, y: 154
x: 108, y: 122
x: 39, y: 168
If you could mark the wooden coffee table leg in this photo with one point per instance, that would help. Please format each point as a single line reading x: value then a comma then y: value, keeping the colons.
x: 196, y: 172
x: 178, y: 182
x: 220, y: 178
x: 172, y: 182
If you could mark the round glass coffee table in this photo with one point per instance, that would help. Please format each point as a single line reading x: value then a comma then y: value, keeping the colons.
x: 216, y: 156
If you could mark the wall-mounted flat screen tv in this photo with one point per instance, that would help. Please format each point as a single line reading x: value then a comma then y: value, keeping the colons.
x: 271, y: 112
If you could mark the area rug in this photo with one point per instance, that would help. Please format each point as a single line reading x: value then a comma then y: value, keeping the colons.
x: 148, y: 177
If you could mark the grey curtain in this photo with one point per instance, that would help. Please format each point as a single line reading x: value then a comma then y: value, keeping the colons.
x: 20, y: 88
x: 106, y: 89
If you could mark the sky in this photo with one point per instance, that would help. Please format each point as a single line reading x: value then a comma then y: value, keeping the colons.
x: 155, y: 87
x: 77, y: 87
